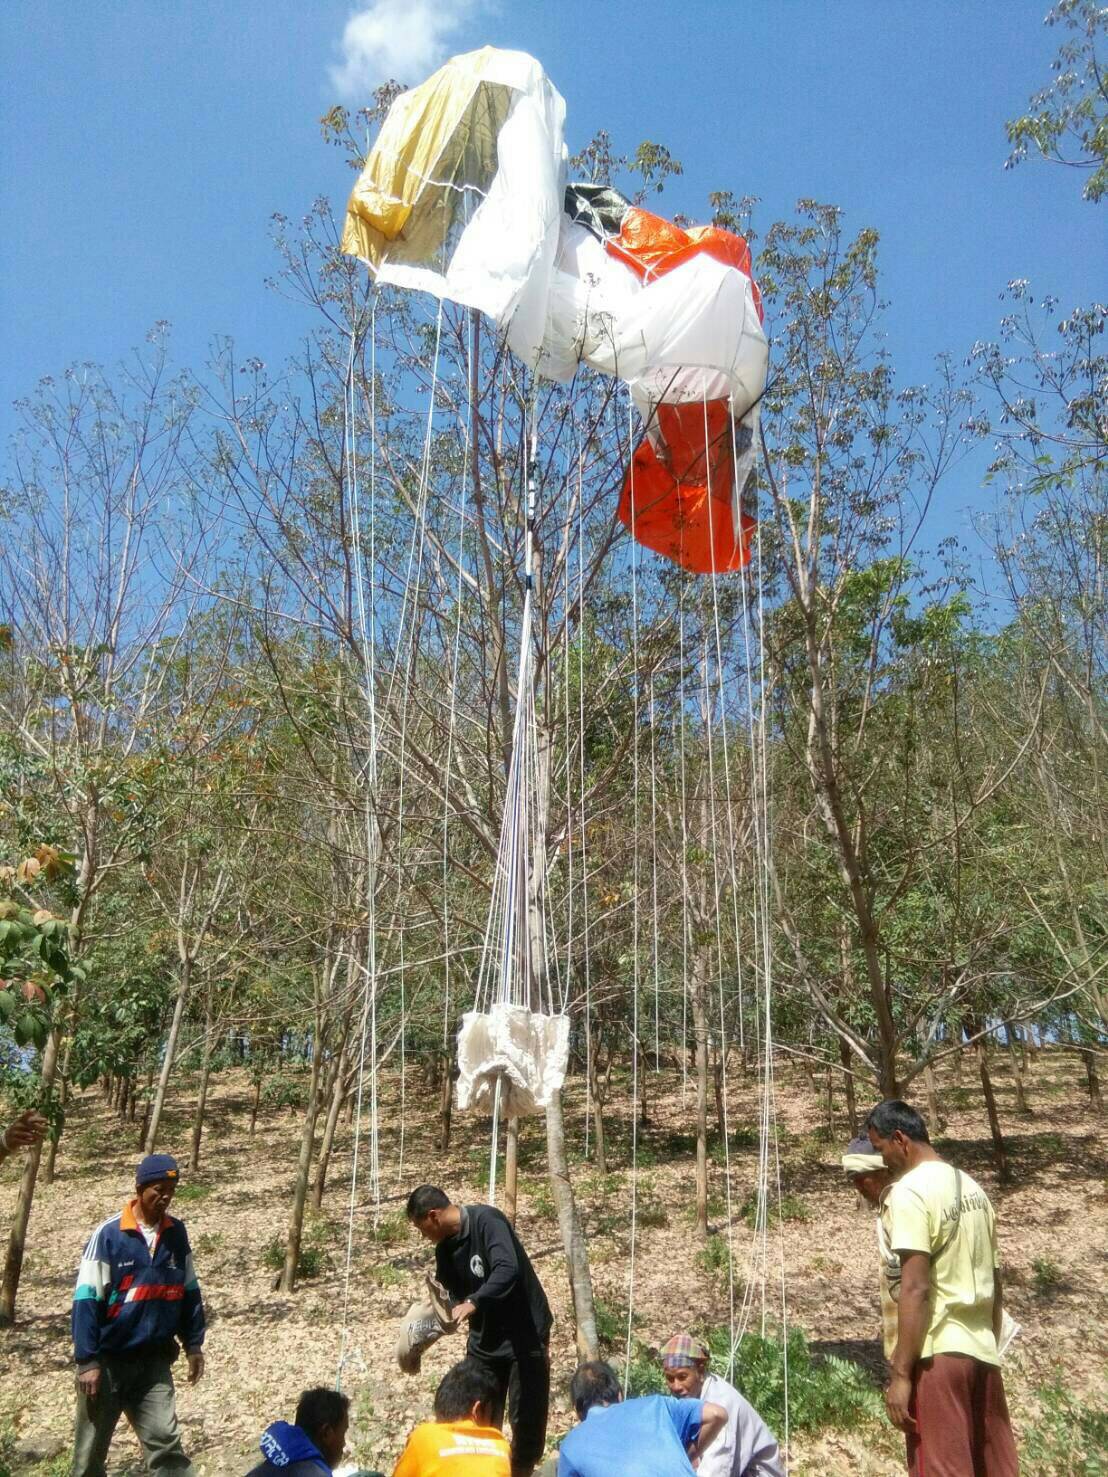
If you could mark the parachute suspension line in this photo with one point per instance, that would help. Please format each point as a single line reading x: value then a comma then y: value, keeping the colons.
x: 459, y: 597
x: 367, y: 643
x: 634, y: 908
x: 505, y: 973
x: 416, y: 554
x: 682, y: 725
x: 729, y: 807
x: 581, y: 762
x: 654, y: 881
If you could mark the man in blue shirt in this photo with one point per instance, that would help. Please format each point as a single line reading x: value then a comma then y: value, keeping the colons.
x: 651, y: 1436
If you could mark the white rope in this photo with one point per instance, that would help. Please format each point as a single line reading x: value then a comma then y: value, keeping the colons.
x: 635, y: 910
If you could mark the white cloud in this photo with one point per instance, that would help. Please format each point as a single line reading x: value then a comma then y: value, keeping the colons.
x: 401, y: 39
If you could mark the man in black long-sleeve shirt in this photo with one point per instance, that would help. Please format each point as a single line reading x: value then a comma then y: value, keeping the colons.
x: 480, y: 1262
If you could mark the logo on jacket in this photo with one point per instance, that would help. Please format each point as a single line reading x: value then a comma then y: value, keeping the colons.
x: 477, y: 1267
x: 272, y: 1451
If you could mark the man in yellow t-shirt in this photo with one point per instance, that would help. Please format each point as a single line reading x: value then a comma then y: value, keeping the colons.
x: 945, y: 1393
x: 461, y: 1440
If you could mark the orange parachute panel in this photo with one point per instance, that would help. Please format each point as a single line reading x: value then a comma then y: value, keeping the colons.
x: 680, y: 495
x: 652, y: 246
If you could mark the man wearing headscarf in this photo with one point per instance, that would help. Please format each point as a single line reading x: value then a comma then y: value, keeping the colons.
x: 865, y: 1169
x: 745, y: 1447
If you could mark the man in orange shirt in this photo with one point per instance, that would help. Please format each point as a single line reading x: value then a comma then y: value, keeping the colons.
x: 461, y: 1440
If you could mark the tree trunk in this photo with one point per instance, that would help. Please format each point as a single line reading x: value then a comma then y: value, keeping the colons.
x: 700, y: 1035
x: 254, y: 1106
x: 286, y: 1282
x: 17, y: 1240
x: 147, y: 1104
x: 848, y: 1088
x: 717, y: 1084
x: 446, y: 1102
x: 170, y: 1052
x: 600, y: 1143
x: 956, y: 1063
x: 335, y: 1092
x: 1022, y: 1105
x: 934, y: 1108
x: 1092, y: 1078
x: 202, y: 1095
x: 511, y: 1169
x: 999, y: 1152
x: 573, y: 1233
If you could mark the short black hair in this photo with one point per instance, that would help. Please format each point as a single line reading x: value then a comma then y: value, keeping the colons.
x: 593, y: 1383
x: 893, y: 1116
x: 320, y: 1407
x: 424, y: 1199
x: 464, y: 1385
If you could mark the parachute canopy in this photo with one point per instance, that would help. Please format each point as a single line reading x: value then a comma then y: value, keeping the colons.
x: 463, y: 195
x: 526, y: 1052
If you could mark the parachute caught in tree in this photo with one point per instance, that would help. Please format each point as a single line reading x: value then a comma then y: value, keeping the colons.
x: 464, y: 195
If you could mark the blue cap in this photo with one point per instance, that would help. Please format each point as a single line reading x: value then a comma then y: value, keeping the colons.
x: 156, y: 1167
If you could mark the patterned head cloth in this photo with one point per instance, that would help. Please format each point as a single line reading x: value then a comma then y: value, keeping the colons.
x: 861, y: 1157
x: 681, y: 1350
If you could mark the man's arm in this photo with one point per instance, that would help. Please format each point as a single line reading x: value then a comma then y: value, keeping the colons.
x: 90, y: 1299
x: 193, y: 1322
x: 24, y: 1131
x: 501, y: 1263
x: 913, y: 1317
x: 998, y: 1303
x: 713, y: 1418
x: 758, y: 1450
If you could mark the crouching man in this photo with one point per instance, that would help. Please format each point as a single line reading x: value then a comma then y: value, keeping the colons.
x: 745, y: 1447
x: 315, y: 1441
x: 650, y: 1436
x: 463, y: 1439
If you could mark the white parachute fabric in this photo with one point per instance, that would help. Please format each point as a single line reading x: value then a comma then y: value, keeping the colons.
x: 526, y: 1052
x: 462, y: 193
x: 693, y: 334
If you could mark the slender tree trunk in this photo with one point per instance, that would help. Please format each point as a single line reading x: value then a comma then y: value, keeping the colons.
x: 700, y: 1034
x: 845, y: 1061
x: 511, y: 1169
x: 599, y: 1138
x: 573, y: 1233
x: 934, y: 1107
x: 1022, y: 1105
x: 17, y: 1240
x: 956, y: 1063
x: 717, y: 1085
x: 1092, y: 1078
x: 202, y: 1095
x: 999, y: 1152
x: 286, y: 1282
x: 170, y: 1052
x: 446, y: 1101
x: 254, y: 1105
x: 147, y: 1104
x: 330, y: 1128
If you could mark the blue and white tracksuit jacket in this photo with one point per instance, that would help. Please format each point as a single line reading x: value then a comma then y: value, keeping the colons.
x: 128, y: 1300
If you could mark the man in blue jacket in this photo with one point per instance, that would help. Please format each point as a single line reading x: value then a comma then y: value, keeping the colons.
x: 136, y: 1297
x: 650, y: 1436
x: 313, y: 1444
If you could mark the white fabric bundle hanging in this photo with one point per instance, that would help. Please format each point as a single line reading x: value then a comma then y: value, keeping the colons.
x: 526, y: 1052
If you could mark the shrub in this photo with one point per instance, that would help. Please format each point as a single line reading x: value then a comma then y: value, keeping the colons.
x: 713, y: 1256
x: 824, y: 1391
x: 1046, y: 1275
x: 788, y: 1208
x: 1070, y: 1437
x: 285, y: 1092
x: 192, y: 1190
x: 310, y: 1263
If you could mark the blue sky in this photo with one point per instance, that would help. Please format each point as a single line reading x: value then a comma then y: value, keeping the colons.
x: 147, y: 142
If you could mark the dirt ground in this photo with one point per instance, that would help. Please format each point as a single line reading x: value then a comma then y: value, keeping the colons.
x: 263, y: 1348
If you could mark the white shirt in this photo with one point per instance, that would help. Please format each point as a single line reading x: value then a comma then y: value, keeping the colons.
x: 746, y: 1447
x: 150, y: 1234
